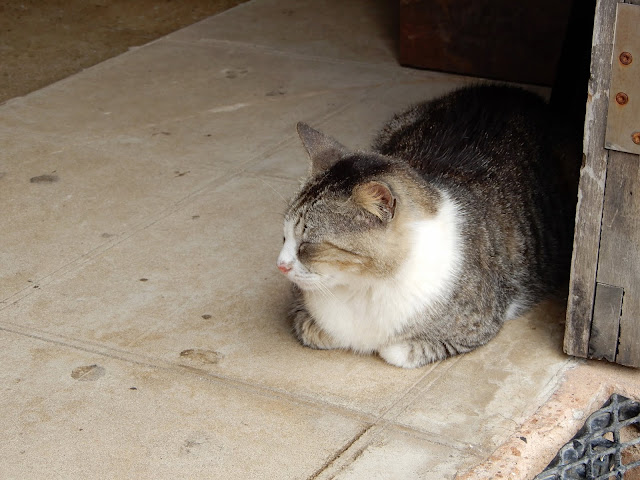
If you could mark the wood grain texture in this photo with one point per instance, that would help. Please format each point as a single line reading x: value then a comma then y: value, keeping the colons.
x: 605, y: 328
x: 591, y: 188
x: 619, y: 262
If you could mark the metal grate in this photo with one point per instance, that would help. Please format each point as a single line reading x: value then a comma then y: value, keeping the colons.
x: 605, y: 448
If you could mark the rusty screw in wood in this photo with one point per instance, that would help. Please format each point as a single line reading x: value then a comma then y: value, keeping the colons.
x: 625, y: 58
x: 622, y: 98
x: 635, y: 136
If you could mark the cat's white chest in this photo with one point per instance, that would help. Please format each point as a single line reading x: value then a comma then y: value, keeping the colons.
x: 361, y: 320
x: 365, y: 316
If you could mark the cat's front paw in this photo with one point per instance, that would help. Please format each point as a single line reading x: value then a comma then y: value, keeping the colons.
x: 410, y: 354
x: 309, y: 334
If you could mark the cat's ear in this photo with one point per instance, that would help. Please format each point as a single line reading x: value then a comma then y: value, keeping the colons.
x: 376, y: 198
x: 323, y: 151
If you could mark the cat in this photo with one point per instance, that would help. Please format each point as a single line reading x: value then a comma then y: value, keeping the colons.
x: 421, y: 248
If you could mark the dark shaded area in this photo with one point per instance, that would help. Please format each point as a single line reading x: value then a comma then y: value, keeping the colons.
x: 497, y: 39
x: 42, y: 42
x: 569, y: 92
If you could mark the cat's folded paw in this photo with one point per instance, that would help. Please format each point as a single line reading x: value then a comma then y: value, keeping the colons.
x: 310, y: 335
x: 411, y: 354
x: 397, y: 354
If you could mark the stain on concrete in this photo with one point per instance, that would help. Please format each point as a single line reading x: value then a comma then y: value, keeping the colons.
x: 229, y: 108
x: 277, y: 92
x: 181, y: 174
x: 194, y: 442
x: 47, y: 178
x: 191, y: 443
x: 206, y: 316
x: 144, y: 279
x: 235, y: 72
x: 107, y: 235
x: 201, y: 356
x: 88, y: 373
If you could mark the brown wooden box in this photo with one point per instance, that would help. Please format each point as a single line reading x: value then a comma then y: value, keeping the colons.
x: 500, y: 39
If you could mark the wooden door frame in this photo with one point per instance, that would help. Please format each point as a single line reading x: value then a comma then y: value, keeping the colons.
x: 591, y: 194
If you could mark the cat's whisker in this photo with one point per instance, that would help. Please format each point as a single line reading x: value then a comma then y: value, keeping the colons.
x: 279, y: 214
x: 325, y: 289
x: 328, y: 291
x: 272, y: 188
x: 329, y: 294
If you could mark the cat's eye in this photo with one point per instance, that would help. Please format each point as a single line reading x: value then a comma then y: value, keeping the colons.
x: 303, y: 247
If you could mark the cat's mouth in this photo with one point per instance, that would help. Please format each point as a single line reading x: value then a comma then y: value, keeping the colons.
x: 304, y: 282
x: 309, y: 281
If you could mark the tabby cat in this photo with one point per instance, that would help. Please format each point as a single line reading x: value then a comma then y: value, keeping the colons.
x: 424, y: 246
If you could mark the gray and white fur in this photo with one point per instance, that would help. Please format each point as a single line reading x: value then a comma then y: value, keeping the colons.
x: 424, y: 246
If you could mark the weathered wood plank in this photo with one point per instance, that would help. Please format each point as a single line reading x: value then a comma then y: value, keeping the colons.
x: 619, y: 262
x: 605, y: 328
x: 629, y: 347
x: 592, y: 183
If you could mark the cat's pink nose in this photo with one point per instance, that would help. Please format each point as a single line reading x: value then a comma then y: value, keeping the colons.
x: 284, y: 268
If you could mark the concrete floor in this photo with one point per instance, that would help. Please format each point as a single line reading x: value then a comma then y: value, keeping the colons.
x: 142, y: 327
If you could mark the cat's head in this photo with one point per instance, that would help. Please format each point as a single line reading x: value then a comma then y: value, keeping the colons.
x: 348, y: 222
